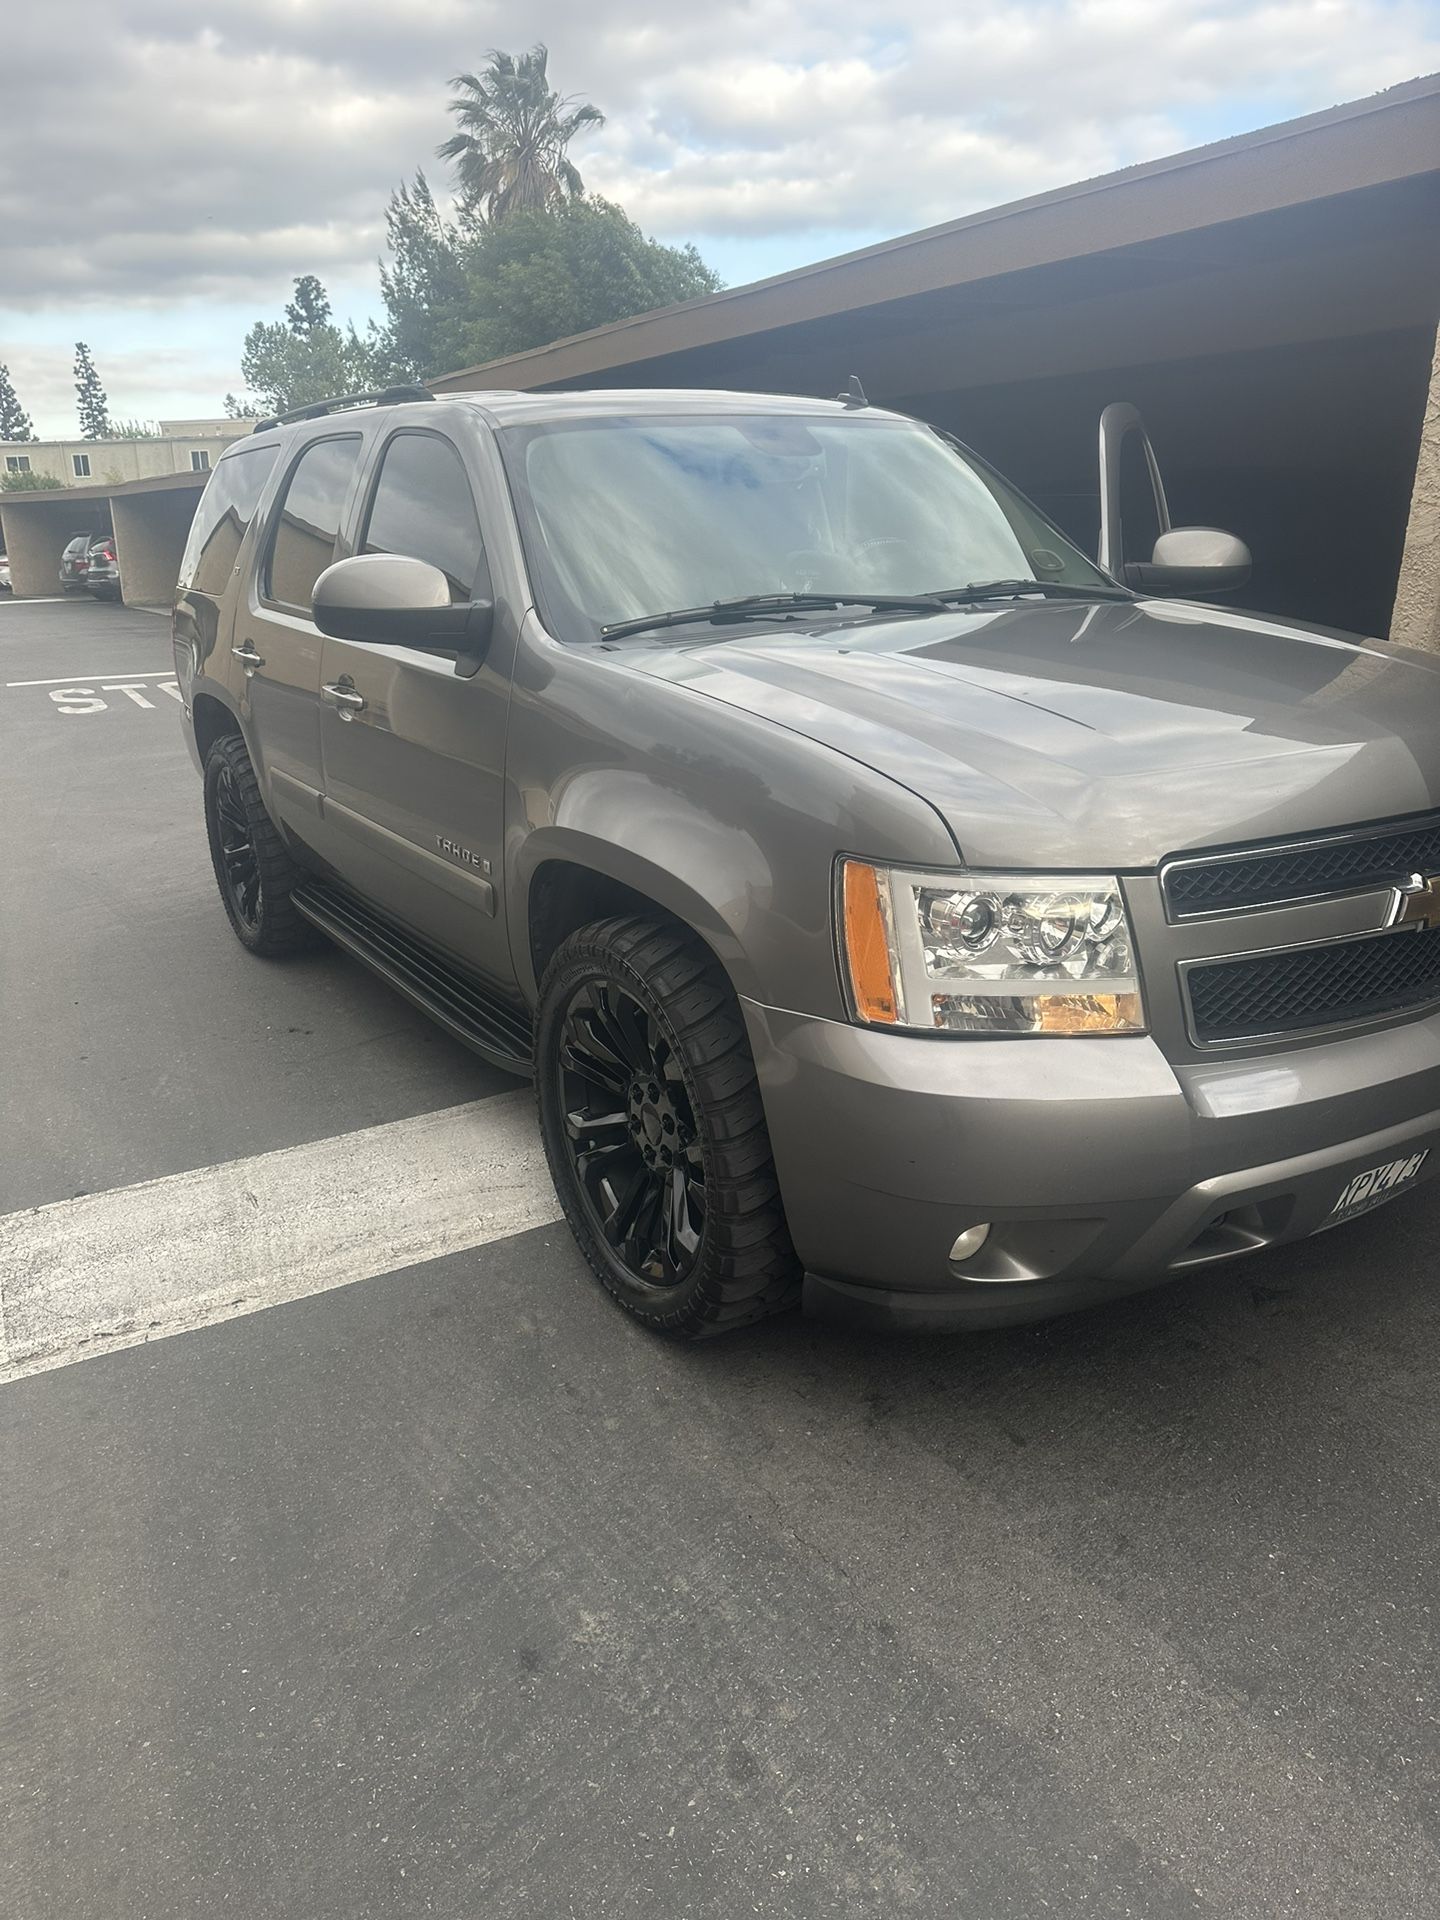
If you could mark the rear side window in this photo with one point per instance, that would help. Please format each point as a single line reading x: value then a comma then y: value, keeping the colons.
x: 423, y: 506
x: 303, y: 543
x: 223, y: 518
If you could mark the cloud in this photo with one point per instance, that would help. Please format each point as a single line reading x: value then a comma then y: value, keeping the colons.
x: 221, y: 145
x: 214, y: 149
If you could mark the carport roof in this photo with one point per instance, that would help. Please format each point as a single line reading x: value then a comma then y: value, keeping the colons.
x: 157, y: 483
x: 1391, y: 137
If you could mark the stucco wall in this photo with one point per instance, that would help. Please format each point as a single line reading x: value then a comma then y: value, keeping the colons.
x: 112, y: 462
x: 150, y: 531
x: 1416, y: 620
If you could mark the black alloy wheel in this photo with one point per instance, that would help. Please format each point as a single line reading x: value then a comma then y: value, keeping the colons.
x: 239, y: 863
x: 631, y: 1132
x: 655, y: 1132
x: 254, y: 868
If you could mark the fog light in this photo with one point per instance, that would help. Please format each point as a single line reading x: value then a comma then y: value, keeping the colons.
x: 969, y: 1243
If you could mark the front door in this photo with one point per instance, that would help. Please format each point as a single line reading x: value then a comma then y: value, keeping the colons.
x: 276, y: 644
x: 414, y: 752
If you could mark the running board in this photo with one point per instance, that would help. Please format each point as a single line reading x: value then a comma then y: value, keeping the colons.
x: 460, y: 1002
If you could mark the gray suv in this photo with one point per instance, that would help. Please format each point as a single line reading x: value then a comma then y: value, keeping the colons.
x: 895, y: 909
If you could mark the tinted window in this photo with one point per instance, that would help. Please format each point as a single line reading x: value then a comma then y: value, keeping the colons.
x: 423, y: 506
x: 304, y: 541
x: 223, y: 517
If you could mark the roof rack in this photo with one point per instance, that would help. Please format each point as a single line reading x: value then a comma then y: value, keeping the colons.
x: 386, y: 397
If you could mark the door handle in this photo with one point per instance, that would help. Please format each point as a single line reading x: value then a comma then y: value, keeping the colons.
x: 346, y: 698
x: 248, y: 658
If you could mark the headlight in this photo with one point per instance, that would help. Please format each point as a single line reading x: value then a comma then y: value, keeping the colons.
x: 989, y: 952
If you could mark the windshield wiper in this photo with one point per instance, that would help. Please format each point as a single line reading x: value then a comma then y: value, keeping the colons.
x: 976, y: 590
x: 752, y: 606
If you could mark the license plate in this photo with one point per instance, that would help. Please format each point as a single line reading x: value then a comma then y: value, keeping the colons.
x: 1375, y: 1186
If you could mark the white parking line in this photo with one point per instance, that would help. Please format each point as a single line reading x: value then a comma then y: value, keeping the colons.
x: 70, y: 679
x: 83, y: 1277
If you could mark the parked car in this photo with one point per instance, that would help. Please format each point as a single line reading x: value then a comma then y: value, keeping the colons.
x: 897, y: 910
x: 102, y: 577
x: 75, y: 563
x: 5, y: 585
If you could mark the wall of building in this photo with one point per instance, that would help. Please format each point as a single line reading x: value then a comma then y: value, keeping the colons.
x: 113, y: 462
x: 150, y: 531
x: 1417, y: 597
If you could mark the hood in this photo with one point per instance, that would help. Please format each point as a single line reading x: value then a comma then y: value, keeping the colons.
x: 1109, y: 734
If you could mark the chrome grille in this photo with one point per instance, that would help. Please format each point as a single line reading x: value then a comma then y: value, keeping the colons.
x: 1372, y: 857
x: 1327, y: 985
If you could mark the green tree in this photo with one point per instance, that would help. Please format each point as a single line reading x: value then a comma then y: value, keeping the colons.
x: 424, y: 284
x: 309, y: 311
x: 240, y: 409
x: 538, y: 277
x: 306, y: 357
x: 14, y: 421
x: 459, y: 292
x: 133, y: 430
x: 90, y: 402
x: 514, y: 129
x: 29, y: 482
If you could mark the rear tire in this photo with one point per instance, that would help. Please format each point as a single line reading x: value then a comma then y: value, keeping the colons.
x: 253, y: 866
x: 654, y: 1131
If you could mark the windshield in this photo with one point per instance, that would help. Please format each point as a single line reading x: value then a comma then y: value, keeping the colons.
x: 629, y: 517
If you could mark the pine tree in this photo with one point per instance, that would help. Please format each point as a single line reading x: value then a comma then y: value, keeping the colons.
x: 90, y: 402
x: 310, y: 309
x: 14, y: 421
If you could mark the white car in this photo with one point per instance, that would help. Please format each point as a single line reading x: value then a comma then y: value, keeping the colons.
x: 4, y: 573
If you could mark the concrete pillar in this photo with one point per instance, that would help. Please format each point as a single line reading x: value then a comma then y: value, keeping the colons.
x: 36, y: 533
x: 150, y: 532
x: 1416, y: 619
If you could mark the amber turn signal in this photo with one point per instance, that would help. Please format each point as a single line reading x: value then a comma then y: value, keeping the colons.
x: 867, y: 945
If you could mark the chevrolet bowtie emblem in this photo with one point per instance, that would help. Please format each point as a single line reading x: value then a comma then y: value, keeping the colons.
x: 1417, y: 902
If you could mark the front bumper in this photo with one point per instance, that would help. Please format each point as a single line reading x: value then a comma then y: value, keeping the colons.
x: 1103, y: 1167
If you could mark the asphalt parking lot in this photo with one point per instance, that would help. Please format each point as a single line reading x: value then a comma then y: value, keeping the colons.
x: 449, y: 1592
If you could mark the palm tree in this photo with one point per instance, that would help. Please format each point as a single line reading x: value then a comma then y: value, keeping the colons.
x: 514, y: 128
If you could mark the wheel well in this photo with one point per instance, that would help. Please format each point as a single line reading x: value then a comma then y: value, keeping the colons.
x: 565, y: 897
x: 212, y: 719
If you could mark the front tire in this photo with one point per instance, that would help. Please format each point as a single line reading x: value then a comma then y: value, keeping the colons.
x: 253, y: 866
x: 655, y: 1133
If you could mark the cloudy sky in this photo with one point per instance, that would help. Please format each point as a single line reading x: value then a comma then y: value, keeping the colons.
x: 167, y: 167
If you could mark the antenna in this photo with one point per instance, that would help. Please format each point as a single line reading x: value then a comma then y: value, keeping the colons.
x: 854, y: 393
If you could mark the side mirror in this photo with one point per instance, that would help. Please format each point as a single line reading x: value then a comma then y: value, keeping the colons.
x: 1191, y: 560
x: 399, y: 601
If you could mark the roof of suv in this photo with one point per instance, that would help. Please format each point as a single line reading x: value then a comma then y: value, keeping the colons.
x: 529, y: 409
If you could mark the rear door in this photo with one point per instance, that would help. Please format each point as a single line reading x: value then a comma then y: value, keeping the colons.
x: 209, y: 568
x: 275, y: 642
x: 414, y: 752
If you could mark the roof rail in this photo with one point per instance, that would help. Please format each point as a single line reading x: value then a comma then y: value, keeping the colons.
x: 386, y: 397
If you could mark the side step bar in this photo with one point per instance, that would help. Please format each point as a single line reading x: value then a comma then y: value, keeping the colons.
x: 460, y: 1002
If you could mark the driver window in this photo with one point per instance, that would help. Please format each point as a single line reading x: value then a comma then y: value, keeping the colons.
x: 423, y: 507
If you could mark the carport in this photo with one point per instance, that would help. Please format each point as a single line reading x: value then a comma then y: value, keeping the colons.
x: 149, y: 519
x: 1269, y: 302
